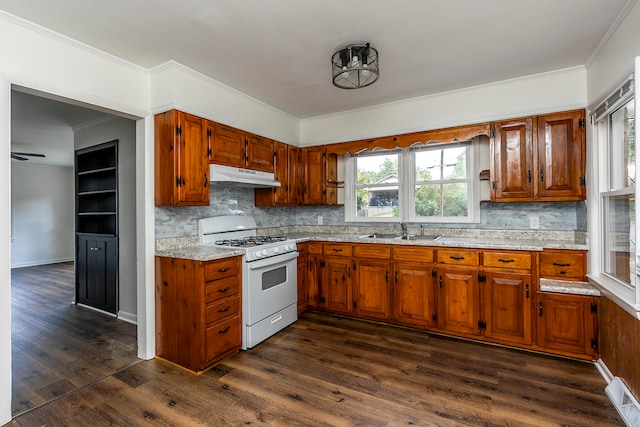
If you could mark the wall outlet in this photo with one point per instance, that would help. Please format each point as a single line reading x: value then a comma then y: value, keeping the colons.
x: 534, y: 222
x: 320, y: 221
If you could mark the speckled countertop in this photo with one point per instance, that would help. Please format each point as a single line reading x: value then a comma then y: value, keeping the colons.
x: 566, y: 287
x: 198, y: 253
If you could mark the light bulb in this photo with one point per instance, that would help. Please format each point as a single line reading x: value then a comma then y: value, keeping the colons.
x: 354, y: 61
x: 365, y: 72
x: 344, y: 74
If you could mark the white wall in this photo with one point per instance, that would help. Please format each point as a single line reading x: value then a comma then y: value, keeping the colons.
x: 542, y: 93
x: 42, y: 205
x: 124, y: 130
x: 176, y: 86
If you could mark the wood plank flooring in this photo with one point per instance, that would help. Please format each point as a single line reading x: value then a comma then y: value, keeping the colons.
x: 330, y: 371
x: 58, y: 347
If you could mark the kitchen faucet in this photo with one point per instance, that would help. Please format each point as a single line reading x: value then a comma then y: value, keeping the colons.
x: 403, y: 226
x: 422, y: 229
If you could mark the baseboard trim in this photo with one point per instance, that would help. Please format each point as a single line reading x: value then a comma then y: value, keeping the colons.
x: 41, y: 262
x: 88, y: 307
x: 604, y: 371
x: 128, y: 317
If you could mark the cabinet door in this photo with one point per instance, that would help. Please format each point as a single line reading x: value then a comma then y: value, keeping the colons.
x: 259, y: 153
x: 295, y: 179
x: 512, y: 160
x: 414, y: 295
x: 313, y: 278
x: 193, y: 166
x: 507, y: 307
x: 227, y: 145
x: 561, y: 156
x: 337, y: 288
x: 314, y: 175
x: 373, y: 289
x: 97, y: 272
x: 566, y: 323
x: 303, y: 290
x: 458, y: 300
x: 281, y: 194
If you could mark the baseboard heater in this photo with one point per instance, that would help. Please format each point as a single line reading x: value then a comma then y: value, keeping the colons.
x: 624, y: 402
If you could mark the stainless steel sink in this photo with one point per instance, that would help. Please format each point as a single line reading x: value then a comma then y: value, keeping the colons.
x: 379, y: 236
x: 418, y: 237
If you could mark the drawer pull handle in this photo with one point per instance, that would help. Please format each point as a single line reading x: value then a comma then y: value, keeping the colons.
x: 506, y: 260
x: 336, y: 250
x: 224, y: 289
x: 223, y: 270
x: 540, y: 308
x: 456, y: 258
x: 526, y: 289
x: 224, y: 310
x: 561, y: 265
x: 225, y: 330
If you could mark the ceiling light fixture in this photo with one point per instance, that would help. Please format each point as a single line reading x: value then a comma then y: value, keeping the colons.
x: 355, y: 66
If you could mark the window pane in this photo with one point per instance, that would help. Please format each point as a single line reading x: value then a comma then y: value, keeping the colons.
x: 455, y: 200
x: 377, y: 186
x: 428, y: 165
x: 619, y: 241
x: 428, y: 200
x: 622, y: 147
x: 454, y: 163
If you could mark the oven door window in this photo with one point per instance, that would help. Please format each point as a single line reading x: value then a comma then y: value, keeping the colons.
x: 274, y: 277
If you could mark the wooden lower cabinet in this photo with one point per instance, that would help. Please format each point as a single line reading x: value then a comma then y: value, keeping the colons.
x: 458, y: 300
x: 567, y: 324
x: 198, y: 310
x: 372, y: 289
x: 414, y: 295
x: 336, y: 290
x: 303, y: 288
x: 507, y: 307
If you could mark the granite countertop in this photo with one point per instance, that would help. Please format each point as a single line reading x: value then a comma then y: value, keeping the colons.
x: 505, y: 243
x: 566, y: 287
x: 199, y: 253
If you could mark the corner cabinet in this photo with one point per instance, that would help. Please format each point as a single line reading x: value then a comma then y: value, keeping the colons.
x: 540, y: 158
x: 288, y: 171
x: 181, y: 160
x: 96, y: 173
x: 198, y: 311
x: 320, y: 176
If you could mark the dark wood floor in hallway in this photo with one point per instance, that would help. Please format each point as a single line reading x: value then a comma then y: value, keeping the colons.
x: 58, y: 347
x: 331, y: 371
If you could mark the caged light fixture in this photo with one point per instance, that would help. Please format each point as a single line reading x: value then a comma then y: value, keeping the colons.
x: 355, y: 66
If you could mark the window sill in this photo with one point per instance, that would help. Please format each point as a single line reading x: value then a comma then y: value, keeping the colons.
x: 619, y: 294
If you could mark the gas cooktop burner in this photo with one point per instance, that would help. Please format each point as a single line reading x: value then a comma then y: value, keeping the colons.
x: 251, y: 241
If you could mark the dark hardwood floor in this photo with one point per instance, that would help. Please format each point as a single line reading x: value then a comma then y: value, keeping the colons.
x: 58, y: 347
x: 331, y: 371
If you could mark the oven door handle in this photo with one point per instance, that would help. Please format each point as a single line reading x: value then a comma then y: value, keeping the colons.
x: 267, y: 262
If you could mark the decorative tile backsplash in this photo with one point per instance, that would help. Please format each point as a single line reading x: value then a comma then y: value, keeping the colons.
x: 183, y: 221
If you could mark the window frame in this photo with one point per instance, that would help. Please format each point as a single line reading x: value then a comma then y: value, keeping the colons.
x: 627, y: 297
x: 406, y: 186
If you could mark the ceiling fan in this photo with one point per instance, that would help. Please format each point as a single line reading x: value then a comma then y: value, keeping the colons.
x: 20, y: 156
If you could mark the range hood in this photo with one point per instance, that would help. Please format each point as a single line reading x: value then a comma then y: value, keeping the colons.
x: 242, y: 177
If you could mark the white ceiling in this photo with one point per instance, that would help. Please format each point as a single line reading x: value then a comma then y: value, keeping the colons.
x: 278, y: 51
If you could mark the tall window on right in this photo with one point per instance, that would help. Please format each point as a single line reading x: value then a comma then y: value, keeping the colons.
x: 615, y: 133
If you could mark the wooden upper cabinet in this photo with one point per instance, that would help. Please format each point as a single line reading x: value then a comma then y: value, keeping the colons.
x: 287, y: 170
x: 539, y: 158
x: 295, y: 177
x: 260, y: 155
x: 181, y: 162
x: 314, y: 175
x: 512, y: 160
x: 561, y: 156
x: 228, y: 145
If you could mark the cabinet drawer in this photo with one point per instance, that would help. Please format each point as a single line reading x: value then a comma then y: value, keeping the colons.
x: 222, y: 337
x: 339, y: 249
x: 512, y: 260
x: 221, y: 289
x: 229, y: 267
x: 458, y: 257
x: 315, y: 248
x: 372, y: 251
x: 563, y: 265
x: 408, y: 253
x: 228, y: 307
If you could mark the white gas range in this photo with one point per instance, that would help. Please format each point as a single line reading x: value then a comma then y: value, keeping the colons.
x: 269, y: 274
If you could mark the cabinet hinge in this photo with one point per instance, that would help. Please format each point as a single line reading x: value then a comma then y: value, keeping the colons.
x: 581, y: 123
x: 209, y: 152
x: 321, y: 263
x: 594, y: 343
x: 354, y: 304
x: 433, y: 274
x: 494, y: 184
x: 324, y: 154
x: 209, y: 133
x: 594, y: 307
x: 482, y: 324
x: 493, y: 133
x: 178, y: 130
x: 582, y: 181
x: 482, y: 278
x: 322, y: 300
x: 324, y: 192
x: 178, y: 181
x: 434, y: 317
